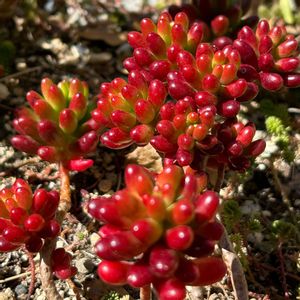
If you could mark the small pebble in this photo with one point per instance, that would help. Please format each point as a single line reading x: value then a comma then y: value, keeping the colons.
x: 94, y: 238
x: 107, y: 158
x: 112, y: 176
x: 272, y: 199
x: 105, y: 185
x: 62, y: 293
x: 4, y: 92
x: 214, y: 297
x: 100, y: 58
x: 110, y: 167
x: 297, y: 202
x: 21, y: 65
x: 266, y: 213
x: 261, y: 167
x: 41, y: 297
x: 24, y: 258
x: 7, y: 294
x: 249, y: 207
x: 84, y: 265
x: 20, y: 289
x: 255, y: 237
x: 17, y: 270
x: 51, y: 185
x: 15, y: 255
x: 60, y: 244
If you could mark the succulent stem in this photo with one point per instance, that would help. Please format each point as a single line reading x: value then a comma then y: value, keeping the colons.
x: 50, y: 245
x: 65, y: 193
x: 46, y: 272
x: 32, y: 270
x: 145, y: 292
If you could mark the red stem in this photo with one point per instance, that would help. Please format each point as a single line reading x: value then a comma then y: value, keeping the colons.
x: 65, y: 193
x: 45, y: 264
x: 32, y: 270
x: 145, y: 292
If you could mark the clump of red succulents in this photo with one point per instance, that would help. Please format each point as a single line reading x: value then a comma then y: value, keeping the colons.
x: 207, y: 82
x: 269, y: 56
x: 178, y: 46
x: 159, y: 229
x: 187, y: 79
x: 57, y: 126
x: 183, y: 96
x: 27, y: 218
x: 129, y: 109
x: 227, y: 15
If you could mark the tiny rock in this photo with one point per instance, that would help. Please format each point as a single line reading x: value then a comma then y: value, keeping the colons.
x: 7, y: 294
x: 105, y: 185
x: 20, y: 289
x: 84, y: 265
x: 94, y: 238
x: 100, y: 58
x: 4, y: 92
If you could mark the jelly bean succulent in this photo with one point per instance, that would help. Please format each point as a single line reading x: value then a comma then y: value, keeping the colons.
x: 183, y: 95
x: 159, y: 229
x: 27, y: 218
x: 185, y: 87
x: 187, y: 78
x: 61, y: 264
x: 221, y: 17
x: 57, y: 127
x: 270, y: 56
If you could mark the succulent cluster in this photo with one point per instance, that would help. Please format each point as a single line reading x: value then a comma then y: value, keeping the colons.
x: 180, y: 46
x: 186, y: 82
x: 57, y: 127
x: 216, y: 14
x: 27, y: 218
x: 207, y: 87
x: 129, y: 109
x: 159, y: 229
x: 61, y: 264
x: 269, y: 55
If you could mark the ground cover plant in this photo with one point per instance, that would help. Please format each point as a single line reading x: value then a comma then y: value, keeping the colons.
x: 189, y: 91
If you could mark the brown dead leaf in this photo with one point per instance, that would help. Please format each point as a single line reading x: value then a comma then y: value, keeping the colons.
x: 106, y: 34
x: 4, y: 92
x: 7, y: 8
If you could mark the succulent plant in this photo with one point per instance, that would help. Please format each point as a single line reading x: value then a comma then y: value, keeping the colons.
x: 220, y: 17
x: 187, y: 79
x: 269, y: 53
x: 159, y: 229
x: 61, y: 264
x: 207, y: 82
x: 57, y: 127
x: 27, y: 218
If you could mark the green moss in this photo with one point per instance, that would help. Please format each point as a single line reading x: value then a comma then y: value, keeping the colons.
x: 280, y: 132
x: 284, y: 230
x: 268, y: 108
x: 7, y: 54
x: 231, y: 214
x: 254, y: 225
x: 111, y: 295
x: 239, y: 248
